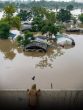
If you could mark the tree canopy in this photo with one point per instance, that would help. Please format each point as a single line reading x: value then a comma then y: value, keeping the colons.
x: 63, y: 15
x: 9, y: 11
x: 4, y: 30
x: 14, y: 21
x: 23, y: 14
x: 81, y: 17
x: 70, y: 7
x: 51, y: 29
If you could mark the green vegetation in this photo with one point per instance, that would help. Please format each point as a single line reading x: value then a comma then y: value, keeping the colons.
x: 63, y: 15
x: 8, y: 21
x: 51, y: 29
x: 69, y: 7
x: 38, y: 20
x: 23, y: 14
x: 48, y: 4
x: 4, y: 30
x: 16, y: 22
x: 28, y: 34
x: 13, y: 21
x: 9, y: 11
x: 26, y: 39
x: 19, y: 39
x: 81, y: 17
x: 44, y: 21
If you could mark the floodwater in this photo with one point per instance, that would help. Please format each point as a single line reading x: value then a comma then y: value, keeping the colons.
x: 60, y: 69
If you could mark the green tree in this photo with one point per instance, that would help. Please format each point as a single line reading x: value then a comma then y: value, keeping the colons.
x: 63, y: 15
x: 50, y: 17
x: 23, y: 14
x: 37, y: 11
x: 9, y: 11
x: 42, y: 18
x: 26, y: 39
x: 51, y: 29
x: 4, y: 30
x: 13, y: 21
x: 37, y: 24
x: 81, y: 17
x: 69, y: 7
x: 16, y: 22
x: 19, y: 39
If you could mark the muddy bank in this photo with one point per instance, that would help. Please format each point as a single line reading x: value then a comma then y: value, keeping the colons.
x: 47, y: 99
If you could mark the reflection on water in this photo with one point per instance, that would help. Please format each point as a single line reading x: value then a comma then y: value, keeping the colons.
x: 8, y: 48
x: 46, y: 61
x: 59, y: 67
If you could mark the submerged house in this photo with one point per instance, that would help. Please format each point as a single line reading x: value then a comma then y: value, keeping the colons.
x: 42, y: 39
x: 63, y: 40
x: 36, y: 46
x: 73, y: 30
x: 26, y: 26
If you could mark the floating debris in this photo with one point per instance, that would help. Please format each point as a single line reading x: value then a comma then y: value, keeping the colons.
x: 33, y: 78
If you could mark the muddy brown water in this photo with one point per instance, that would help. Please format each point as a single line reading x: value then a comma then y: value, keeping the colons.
x: 60, y: 69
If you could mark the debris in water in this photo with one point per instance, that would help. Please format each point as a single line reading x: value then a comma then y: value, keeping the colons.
x: 51, y: 86
x: 33, y: 78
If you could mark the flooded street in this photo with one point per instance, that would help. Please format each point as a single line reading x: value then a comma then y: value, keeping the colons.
x: 60, y: 68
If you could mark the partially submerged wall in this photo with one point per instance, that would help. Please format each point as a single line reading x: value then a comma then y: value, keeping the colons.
x: 18, y: 100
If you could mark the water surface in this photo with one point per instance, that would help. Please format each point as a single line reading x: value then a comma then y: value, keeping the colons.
x: 63, y: 68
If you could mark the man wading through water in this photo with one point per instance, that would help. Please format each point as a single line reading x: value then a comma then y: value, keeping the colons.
x: 33, y: 94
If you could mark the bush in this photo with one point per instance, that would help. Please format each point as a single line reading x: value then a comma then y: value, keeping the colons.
x: 4, y: 30
x: 28, y: 35
x: 19, y: 39
x: 25, y: 42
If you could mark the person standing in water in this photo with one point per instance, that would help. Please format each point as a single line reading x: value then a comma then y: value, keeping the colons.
x: 33, y: 96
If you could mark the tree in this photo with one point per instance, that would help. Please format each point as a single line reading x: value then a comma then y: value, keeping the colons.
x: 19, y: 39
x: 38, y: 20
x: 63, y: 15
x: 28, y: 36
x: 37, y: 24
x: 42, y: 18
x: 26, y: 39
x: 23, y: 14
x: 16, y: 22
x: 81, y: 17
x: 50, y: 17
x: 4, y: 30
x: 37, y: 11
x: 13, y: 21
x: 69, y: 7
x: 9, y: 10
x: 51, y: 28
